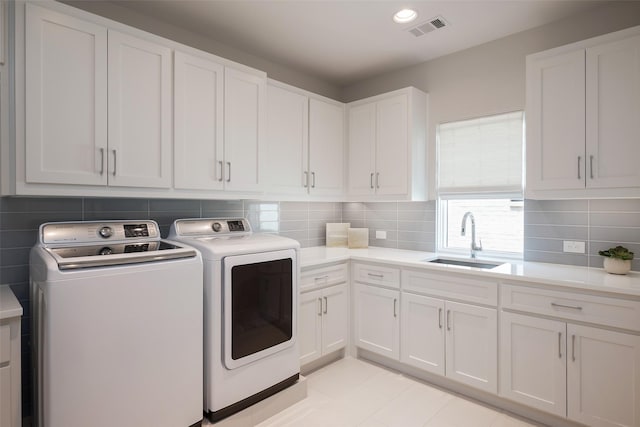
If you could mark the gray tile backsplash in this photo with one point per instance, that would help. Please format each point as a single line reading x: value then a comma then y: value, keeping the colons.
x: 409, y: 225
x: 601, y: 224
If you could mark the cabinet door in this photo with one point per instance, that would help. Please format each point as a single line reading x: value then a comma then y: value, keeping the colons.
x: 422, y: 328
x: 198, y: 120
x: 376, y: 320
x: 613, y: 112
x: 66, y: 99
x: 287, y: 141
x: 533, y: 362
x: 556, y: 122
x: 139, y: 112
x: 244, y: 124
x: 392, y: 146
x: 603, y: 377
x: 472, y: 345
x: 310, y: 326
x: 326, y: 148
x: 361, y: 153
x: 335, y: 319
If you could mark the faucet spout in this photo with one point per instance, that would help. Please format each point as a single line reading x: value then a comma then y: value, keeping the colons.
x: 463, y: 231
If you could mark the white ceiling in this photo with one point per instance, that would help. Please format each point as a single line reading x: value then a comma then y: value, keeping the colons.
x: 345, y: 41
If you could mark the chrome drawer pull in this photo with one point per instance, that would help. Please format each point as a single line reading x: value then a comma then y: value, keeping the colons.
x: 448, y: 320
x: 560, y: 345
x: 440, y: 318
x: 326, y: 305
x: 320, y: 310
x: 395, y: 302
x: 579, y: 160
x: 321, y: 278
x: 102, y: 161
x: 573, y: 348
x: 572, y: 307
x: 379, y: 276
x: 220, y: 169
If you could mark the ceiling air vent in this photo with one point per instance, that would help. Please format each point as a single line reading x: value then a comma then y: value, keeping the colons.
x: 426, y: 27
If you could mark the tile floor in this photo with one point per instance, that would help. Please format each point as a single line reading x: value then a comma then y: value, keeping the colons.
x: 353, y: 392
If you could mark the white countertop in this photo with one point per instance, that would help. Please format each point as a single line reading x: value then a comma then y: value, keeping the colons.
x: 9, y: 305
x: 583, y: 278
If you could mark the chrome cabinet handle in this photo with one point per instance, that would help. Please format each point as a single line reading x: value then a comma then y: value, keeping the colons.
x: 573, y: 348
x: 326, y: 305
x: 321, y: 278
x: 114, y: 162
x: 313, y: 180
x: 229, y: 171
x: 377, y: 179
x: 379, y: 276
x: 591, y: 167
x: 306, y: 179
x: 448, y: 320
x: 579, y: 160
x: 102, y: 161
x: 572, y: 307
x: 560, y: 345
x: 440, y: 318
x: 371, y: 181
x: 320, y: 309
x: 395, y: 303
x: 221, y: 170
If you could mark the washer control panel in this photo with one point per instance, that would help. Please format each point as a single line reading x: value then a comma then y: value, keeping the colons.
x: 210, y: 227
x: 96, y: 231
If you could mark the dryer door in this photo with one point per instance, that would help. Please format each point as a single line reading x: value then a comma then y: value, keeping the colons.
x: 260, y: 304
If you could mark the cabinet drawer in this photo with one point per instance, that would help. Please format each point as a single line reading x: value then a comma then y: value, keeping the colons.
x: 377, y: 275
x: 5, y: 344
x: 451, y: 287
x: 573, y: 306
x: 323, y: 276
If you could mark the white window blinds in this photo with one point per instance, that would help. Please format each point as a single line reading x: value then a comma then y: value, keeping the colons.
x: 481, y: 155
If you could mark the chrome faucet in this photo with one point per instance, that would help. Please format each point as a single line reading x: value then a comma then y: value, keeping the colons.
x: 474, y: 248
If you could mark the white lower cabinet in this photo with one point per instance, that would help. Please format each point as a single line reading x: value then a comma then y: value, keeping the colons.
x: 587, y: 374
x: 452, y: 339
x: 323, y: 322
x: 377, y: 322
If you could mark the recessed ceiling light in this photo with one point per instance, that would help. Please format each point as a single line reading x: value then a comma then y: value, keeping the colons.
x: 405, y: 15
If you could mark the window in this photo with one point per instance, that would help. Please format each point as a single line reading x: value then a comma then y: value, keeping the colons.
x: 480, y: 171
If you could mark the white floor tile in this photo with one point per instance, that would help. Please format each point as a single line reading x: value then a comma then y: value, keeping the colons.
x: 459, y: 412
x: 355, y: 393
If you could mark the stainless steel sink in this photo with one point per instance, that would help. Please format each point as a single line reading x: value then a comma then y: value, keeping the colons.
x: 475, y: 264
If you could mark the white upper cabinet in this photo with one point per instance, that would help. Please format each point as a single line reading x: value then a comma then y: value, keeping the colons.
x: 326, y: 147
x: 387, y: 146
x: 98, y: 104
x: 245, y: 102
x: 613, y: 112
x: 287, y: 141
x: 66, y: 99
x: 139, y: 82
x: 198, y: 123
x: 555, y: 121
x: 583, y: 104
x: 305, y: 141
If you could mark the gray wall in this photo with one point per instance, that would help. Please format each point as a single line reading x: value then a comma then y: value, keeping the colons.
x: 490, y: 78
x: 275, y: 71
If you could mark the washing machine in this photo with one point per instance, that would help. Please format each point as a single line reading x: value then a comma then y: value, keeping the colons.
x: 117, y: 326
x: 250, y: 311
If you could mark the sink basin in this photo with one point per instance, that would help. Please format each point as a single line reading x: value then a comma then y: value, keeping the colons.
x: 475, y: 264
